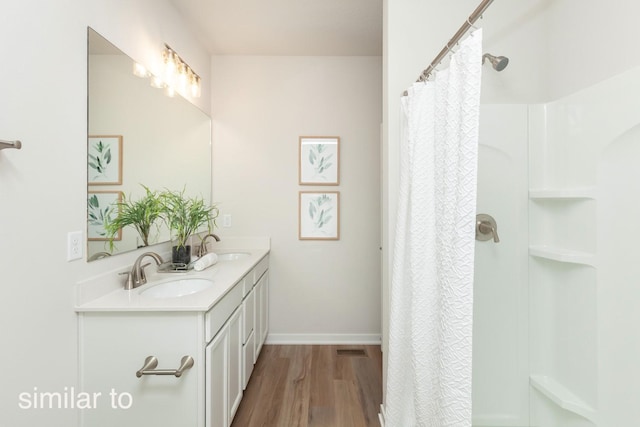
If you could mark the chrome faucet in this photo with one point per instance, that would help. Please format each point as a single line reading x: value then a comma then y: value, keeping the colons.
x: 98, y: 255
x: 203, y: 245
x: 137, y: 277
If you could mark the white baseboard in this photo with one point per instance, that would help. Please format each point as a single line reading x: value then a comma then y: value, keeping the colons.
x: 325, y: 339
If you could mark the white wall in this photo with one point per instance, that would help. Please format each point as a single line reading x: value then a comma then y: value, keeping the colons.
x: 43, y: 186
x: 319, y: 290
x: 589, y: 41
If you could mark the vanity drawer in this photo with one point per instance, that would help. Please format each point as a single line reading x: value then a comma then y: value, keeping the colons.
x: 259, y: 269
x: 215, y: 318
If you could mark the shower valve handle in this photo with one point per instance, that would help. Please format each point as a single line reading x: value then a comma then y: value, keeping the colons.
x: 486, y: 228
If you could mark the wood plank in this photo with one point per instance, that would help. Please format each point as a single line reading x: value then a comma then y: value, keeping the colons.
x: 295, y: 403
x: 322, y: 369
x: 349, y: 412
x: 313, y: 386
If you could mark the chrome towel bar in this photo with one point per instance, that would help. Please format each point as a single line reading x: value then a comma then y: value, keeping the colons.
x: 151, y: 362
x: 10, y: 144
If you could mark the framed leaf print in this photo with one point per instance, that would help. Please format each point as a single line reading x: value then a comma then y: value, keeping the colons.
x: 319, y: 215
x: 102, y: 206
x: 104, y: 160
x: 319, y: 160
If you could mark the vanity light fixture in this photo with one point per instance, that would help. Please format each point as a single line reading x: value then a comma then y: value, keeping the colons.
x: 176, y: 75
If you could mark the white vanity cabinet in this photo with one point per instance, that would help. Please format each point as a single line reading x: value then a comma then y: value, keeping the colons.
x: 223, y: 384
x: 222, y: 341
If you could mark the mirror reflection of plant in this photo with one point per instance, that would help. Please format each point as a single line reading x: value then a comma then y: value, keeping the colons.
x: 318, y: 159
x: 186, y: 215
x: 320, y: 211
x: 99, y: 216
x: 140, y: 214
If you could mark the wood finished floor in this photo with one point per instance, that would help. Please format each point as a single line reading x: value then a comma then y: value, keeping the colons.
x: 313, y: 386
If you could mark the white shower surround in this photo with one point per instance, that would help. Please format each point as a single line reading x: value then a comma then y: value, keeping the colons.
x: 553, y: 340
x: 584, y: 266
x: 500, y: 320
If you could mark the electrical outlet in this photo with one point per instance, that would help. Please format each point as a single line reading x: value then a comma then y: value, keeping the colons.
x: 74, y: 245
x: 226, y: 220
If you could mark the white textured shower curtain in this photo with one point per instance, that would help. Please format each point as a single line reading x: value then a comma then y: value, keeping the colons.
x: 431, y: 296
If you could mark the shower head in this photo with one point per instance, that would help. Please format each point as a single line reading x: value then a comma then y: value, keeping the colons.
x: 498, y: 63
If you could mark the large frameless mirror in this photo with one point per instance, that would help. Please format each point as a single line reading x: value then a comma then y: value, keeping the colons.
x: 137, y: 137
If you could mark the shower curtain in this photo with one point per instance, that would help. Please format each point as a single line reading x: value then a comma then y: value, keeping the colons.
x: 431, y: 295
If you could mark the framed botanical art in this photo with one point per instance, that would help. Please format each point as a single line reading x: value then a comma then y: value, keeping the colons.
x: 319, y: 160
x: 319, y: 215
x: 102, y: 206
x: 104, y: 160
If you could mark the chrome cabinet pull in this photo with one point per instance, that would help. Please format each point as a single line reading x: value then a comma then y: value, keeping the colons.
x: 10, y: 144
x: 151, y: 363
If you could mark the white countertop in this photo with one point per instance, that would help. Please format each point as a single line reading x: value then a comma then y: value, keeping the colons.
x: 223, y: 274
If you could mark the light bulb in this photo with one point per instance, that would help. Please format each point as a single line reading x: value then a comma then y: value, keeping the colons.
x: 156, y: 82
x: 139, y: 70
x: 169, y: 66
x: 195, y: 87
x: 182, y: 78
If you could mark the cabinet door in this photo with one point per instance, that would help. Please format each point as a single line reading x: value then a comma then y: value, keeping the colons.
x: 217, y: 356
x: 248, y: 357
x: 114, y: 346
x: 248, y: 315
x: 235, y: 362
x: 262, y: 312
x: 265, y: 308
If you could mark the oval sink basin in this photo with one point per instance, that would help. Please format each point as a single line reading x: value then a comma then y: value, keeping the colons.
x: 232, y: 256
x: 177, y: 288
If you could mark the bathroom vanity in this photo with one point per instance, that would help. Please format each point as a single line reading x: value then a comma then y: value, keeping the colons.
x: 136, y: 346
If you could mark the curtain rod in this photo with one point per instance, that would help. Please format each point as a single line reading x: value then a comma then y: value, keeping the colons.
x: 455, y: 39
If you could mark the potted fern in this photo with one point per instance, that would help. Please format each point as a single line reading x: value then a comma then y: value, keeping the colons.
x: 185, y: 216
x: 140, y: 214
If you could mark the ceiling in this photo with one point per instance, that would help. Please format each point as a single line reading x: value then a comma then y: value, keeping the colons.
x: 286, y: 27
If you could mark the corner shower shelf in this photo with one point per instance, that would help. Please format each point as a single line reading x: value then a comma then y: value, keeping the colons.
x: 562, y: 255
x: 562, y: 396
x: 562, y: 193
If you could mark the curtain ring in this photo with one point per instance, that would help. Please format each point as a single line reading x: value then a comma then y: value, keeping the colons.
x: 471, y: 24
x: 450, y: 48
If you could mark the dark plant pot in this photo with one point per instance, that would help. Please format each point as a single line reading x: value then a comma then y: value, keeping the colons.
x: 181, y: 254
